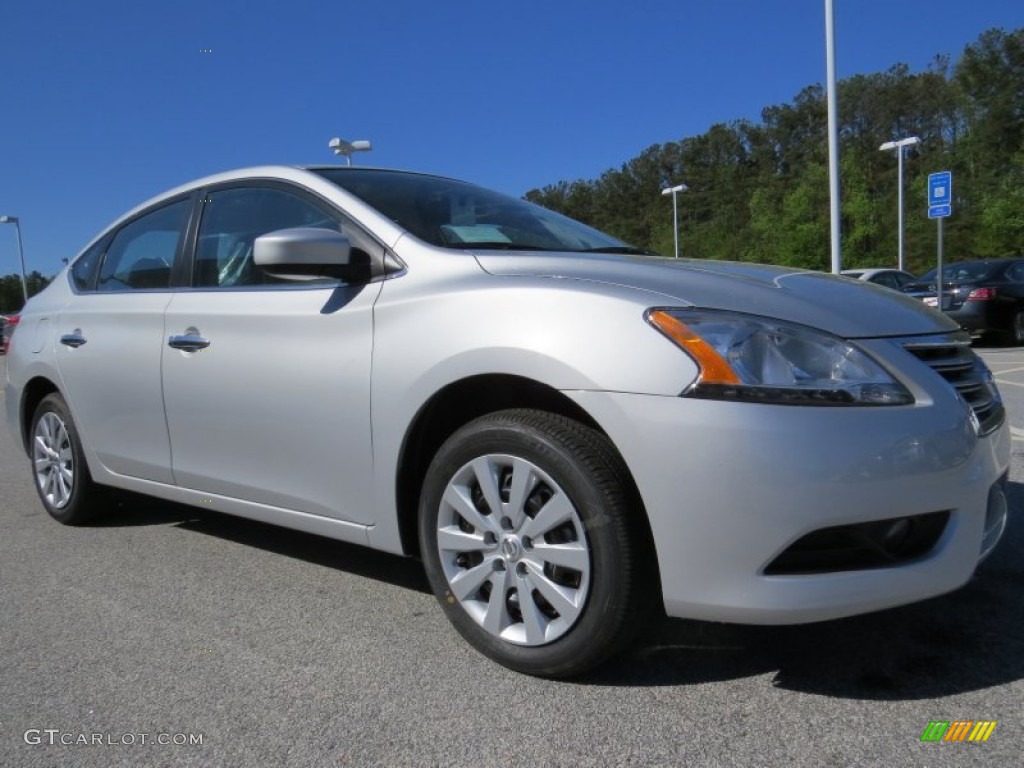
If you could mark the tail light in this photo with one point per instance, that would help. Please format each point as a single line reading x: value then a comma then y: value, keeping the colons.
x: 12, y: 322
x: 982, y: 294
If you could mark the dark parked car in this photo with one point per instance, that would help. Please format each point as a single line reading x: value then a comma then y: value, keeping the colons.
x: 985, y: 296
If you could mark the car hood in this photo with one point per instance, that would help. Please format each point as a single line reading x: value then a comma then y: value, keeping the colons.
x: 845, y: 307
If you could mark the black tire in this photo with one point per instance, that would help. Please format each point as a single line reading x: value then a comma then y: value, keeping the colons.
x: 614, y: 587
x: 1015, y: 333
x: 64, y: 484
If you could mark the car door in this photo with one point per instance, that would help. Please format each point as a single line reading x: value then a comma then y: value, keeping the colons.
x: 271, y: 403
x: 110, y: 340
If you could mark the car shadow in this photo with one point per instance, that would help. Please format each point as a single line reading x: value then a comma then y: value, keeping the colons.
x: 968, y: 640
x: 129, y: 509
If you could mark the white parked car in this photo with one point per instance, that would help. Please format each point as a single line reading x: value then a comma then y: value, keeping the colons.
x: 570, y: 435
x: 896, y: 279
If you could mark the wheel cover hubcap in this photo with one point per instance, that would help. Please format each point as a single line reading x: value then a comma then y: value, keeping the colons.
x: 53, y: 460
x: 513, y: 550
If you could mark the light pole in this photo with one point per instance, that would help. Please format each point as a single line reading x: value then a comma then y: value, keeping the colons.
x: 346, y: 148
x: 674, y: 191
x: 899, y: 146
x: 833, y: 136
x: 21, y: 253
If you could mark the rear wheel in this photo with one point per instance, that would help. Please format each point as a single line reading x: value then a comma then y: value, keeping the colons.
x: 534, y: 543
x: 1015, y: 335
x: 58, y: 466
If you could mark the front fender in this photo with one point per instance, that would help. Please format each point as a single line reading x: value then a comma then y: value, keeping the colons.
x: 568, y: 335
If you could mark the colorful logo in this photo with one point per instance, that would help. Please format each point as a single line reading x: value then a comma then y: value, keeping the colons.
x: 958, y: 730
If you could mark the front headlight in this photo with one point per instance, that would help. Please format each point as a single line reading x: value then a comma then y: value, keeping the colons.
x: 758, y: 359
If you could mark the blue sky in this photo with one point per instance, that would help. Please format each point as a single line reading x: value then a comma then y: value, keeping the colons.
x: 107, y: 103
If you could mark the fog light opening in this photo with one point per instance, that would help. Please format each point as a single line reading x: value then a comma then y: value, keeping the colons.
x: 995, y: 518
x: 896, y: 535
x: 876, y: 544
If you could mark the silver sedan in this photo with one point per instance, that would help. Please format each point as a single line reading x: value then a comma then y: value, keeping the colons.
x: 574, y: 436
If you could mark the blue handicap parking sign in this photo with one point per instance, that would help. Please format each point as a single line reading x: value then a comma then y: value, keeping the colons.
x: 940, y: 188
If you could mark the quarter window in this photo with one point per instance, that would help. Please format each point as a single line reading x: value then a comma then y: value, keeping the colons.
x: 233, y: 218
x: 142, y: 253
x: 85, y: 267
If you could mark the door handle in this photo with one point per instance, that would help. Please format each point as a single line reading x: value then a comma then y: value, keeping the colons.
x: 189, y: 342
x: 74, y: 339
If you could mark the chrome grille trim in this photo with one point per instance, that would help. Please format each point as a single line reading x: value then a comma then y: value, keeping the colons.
x: 952, y: 358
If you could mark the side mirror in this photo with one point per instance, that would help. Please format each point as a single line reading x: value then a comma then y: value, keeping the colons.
x: 302, y: 253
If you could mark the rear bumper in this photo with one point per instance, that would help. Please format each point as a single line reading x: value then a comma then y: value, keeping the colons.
x: 978, y: 316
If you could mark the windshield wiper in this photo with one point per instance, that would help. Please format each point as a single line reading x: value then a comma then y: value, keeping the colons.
x: 627, y: 249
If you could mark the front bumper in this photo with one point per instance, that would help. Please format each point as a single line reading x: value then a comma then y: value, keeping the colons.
x: 728, y: 487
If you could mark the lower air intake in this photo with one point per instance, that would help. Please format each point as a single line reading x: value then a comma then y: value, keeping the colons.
x: 878, y: 544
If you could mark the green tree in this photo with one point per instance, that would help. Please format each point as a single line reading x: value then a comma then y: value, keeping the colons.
x: 759, y: 191
x: 11, y: 295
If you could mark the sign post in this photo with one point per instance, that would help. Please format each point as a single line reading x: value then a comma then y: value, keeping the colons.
x: 940, y: 205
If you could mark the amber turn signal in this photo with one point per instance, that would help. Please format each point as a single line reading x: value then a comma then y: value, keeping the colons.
x: 713, y: 368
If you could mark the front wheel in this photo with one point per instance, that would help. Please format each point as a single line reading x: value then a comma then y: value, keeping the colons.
x: 58, y: 466
x: 535, y: 544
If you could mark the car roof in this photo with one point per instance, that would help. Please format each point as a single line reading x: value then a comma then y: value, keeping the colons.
x: 303, y: 175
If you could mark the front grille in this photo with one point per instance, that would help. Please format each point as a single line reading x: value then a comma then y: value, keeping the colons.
x: 955, y: 361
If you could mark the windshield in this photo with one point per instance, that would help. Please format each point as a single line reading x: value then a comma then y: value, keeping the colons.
x: 963, y: 272
x: 458, y: 215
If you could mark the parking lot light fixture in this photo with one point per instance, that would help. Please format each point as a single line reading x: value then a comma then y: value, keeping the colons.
x: 900, y: 146
x: 21, y: 253
x: 347, y: 148
x: 674, y: 191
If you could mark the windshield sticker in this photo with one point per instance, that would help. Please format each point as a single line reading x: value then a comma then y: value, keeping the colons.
x: 478, y: 233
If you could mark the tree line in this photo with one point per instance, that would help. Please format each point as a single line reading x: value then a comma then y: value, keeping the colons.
x: 11, y: 295
x: 758, y: 191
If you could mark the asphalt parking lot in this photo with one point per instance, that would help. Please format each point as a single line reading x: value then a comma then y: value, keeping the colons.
x: 274, y: 647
